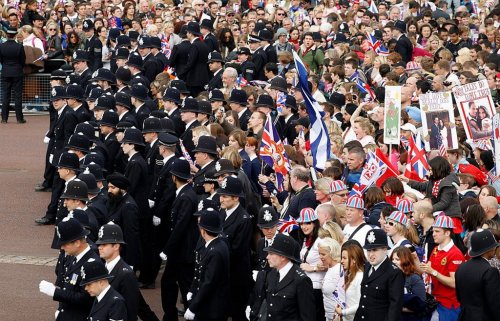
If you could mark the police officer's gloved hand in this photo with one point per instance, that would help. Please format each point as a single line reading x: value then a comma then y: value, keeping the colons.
x: 189, y: 315
x: 189, y: 296
x: 151, y: 203
x: 47, y: 288
x: 163, y: 256
x: 247, y: 312
x: 156, y: 220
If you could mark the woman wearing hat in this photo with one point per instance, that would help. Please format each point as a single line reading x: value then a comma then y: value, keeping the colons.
x: 353, y: 262
x: 309, y: 255
x: 396, y: 229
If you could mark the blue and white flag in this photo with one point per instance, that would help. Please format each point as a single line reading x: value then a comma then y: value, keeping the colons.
x: 373, y: 7
x: 318, y: 134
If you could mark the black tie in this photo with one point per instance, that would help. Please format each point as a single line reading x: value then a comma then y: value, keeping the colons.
x: 371, y: 271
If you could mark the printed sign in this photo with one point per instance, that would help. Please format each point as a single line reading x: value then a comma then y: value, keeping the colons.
x: 438, y: 121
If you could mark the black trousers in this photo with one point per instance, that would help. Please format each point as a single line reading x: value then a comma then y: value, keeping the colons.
x: 144, y: 312
x: 8, y: 84
x: 239, y: 301
x: 177, y: 276
x: 148, y: 258
x: 160, y: 238
x: 320, y: 308
x: 57, y: 190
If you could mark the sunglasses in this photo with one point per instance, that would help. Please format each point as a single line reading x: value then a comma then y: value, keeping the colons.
x: 280, y: 14
x: 391, y: 223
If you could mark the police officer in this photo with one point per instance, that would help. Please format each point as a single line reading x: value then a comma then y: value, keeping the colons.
x: 210, y: 298
x: 288, y: 290
x: 180, y: 247
x: 93, y: 45
x: 108, y: 303
x: 259, y: 57
x: 267, y: 222
x: 205, y: 155
x: 248, y: 70
x: 382, y: 287
x: 124, y: 281
x: 74, y: 302
x: 12, y: 58
x: 215, y: 64
x: 238, y: 230
x: 206, y: 28
x: 80, y: 62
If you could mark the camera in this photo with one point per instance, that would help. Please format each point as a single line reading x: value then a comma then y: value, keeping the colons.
x: 447, y: 83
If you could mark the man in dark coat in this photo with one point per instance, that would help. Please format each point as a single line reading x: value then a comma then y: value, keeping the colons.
x: 123, y: 211
x: 205, y: 155
x: 304, y: 195
x: 196, y: 67
x: 238, y: 231
x: 180, y: 55
x: 259, y: 57
x: 477, y: 283
x: 286, y: 120
x: 210, y: 299
x: 12, y: 58
x: 108, y: 303
x: 284, y: 280
x: 93, y: 45
x: 404, y: 46
x: 382, y: 287
x: 74, y: 302
x: 189, y: 113
x: 180, y: 247
x: 215, y: 64
x: 124, y: 280
x: 206, y: 29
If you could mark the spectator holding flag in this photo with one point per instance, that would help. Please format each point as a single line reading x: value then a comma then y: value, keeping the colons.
x: 441, y: 189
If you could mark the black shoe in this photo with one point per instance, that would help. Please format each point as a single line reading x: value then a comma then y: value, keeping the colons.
x: 180, y: 312
x: 147, y: 286
x: 4, y: 121
x: 42, y: 188
x: 22, y: 121
x: 44, y: 221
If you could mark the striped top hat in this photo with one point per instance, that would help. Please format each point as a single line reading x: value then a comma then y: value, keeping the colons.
x: 307, y: 215
x: 337, y: 186
x: 405, y: 206
x: 399, y: 217
x: 443, y: 221
x: 355, y: 202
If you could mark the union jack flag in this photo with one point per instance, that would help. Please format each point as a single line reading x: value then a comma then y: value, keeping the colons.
x: 165, y: 47
x: 115, y: 22
x: 417, y: 167
x: 365, y: 88
x: 404, y: 142
x: 286, y: 227
x: 280, y: 102
x: 185, y: 153
x: 376, y: 45
x: 241, y: 82
x: 373, y: 170
x: 272, y: 152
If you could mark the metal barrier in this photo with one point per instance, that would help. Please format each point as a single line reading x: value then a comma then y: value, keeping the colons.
x: 36, y: 92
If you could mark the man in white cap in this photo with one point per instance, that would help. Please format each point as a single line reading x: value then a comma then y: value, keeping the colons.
x: 356, y: 228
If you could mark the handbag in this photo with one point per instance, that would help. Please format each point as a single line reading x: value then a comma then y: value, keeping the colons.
x: 33, y: 61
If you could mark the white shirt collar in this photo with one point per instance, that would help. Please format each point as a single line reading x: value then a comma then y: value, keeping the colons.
x: 152, y: 143
x: 69, y: 180
x: 284, y: 270
x: 242, y: 112
x: 210, y: 241
x: 59, y: 112
x: 132, y: 156
x: 179, y: 189
x: 231, y: 211
x: 79, y: 256
x: 165, y: 160
x: 375, y: 267
x: 103, y: 293
x: 111, y: 264
x: 446, y: 247
x: 189, y: 124
x: 171, y: 111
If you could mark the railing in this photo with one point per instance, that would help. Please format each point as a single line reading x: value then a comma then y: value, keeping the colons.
x: 36, y: 92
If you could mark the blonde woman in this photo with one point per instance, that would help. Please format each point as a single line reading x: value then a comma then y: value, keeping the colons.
x: 433, y: 44
x: 53, y: 45
x: 29, y: 38
x: 322, y: 189
x: 364, y: 131
x: 331, y: 229
x: 329, y: 254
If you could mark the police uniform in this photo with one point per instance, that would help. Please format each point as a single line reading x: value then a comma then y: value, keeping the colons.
x: 179, y: 58
x: 216, y: 81
x: 180, y: 246
x: 259, y: 58
x: 93, y: 46
x: 237, y: 228
x: 381, y: 289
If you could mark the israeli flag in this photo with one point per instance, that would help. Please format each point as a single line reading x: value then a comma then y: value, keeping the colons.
x: 318, y: 135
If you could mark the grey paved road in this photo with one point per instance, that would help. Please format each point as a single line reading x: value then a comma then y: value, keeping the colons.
x: 25, y: 254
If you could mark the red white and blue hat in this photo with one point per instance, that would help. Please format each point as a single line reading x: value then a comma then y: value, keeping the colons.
x: 337, y: 186
x: 355, y: 202
x: 443, y: 221
x: 405, y: 206
x: 307, y: 215
x: 399, y: 217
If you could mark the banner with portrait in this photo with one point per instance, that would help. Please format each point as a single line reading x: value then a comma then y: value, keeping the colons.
x: 392, y: 115
x: 476, y: 109
x: 438, y: 121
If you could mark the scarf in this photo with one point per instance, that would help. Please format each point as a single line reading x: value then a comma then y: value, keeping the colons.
x: 435, y: 188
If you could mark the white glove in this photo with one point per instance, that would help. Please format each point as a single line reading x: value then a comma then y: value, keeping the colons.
x: 56, y: 314
x: 189, y: 296
x: 247, y: 312
x: 163, y: 256
x: 51, y: 158
x: 156, y: 220
x: 151, y: 203
x: 47, y: 288
x: 189, y: 315
x: 46, y: 140
x: 254, y: 274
